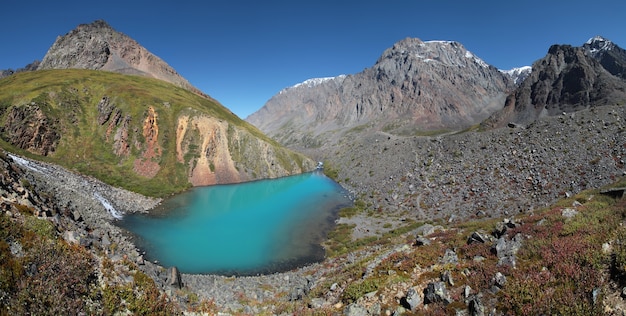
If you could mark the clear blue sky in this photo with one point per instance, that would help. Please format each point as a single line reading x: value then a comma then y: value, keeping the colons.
x: 243, y: 52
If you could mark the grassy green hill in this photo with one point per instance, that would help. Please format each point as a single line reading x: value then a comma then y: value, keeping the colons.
x: 126, y: 131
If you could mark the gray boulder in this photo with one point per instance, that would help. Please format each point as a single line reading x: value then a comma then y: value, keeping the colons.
x: 173, y: 277
x: 355, y: 309
x: 436, y: 292
x: 71, y: 237
x: 446, y: 277
x: 499, y: 280
x: 506, y: 250
x: 475, y: 306
x: 569, y: 213
x: 478, y: 237
x: 317, y: 303
x: 425, y: 230
x: 412, y: 299
x: 450, y: 257
x: 297, y: 293
x: 502, y: 227
x: 422, y: 241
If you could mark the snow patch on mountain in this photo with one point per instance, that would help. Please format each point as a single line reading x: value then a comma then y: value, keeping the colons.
x: 598, y: 44
x: 518, y: 74
x: 435, y: 49
x: 309, y: 83
x: 479, y: 61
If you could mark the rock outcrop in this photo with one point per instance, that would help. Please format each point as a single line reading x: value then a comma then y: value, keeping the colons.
x: 28, y: 127
x: 30, y: 67
x: 147, y: 165
x: 98, y: 46
x: 414, y: 86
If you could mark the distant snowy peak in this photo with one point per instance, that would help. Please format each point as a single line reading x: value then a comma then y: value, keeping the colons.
x: 608, y: 54
x: 517, y: 71
x: 597, y: 39
x: 309, y: 83
x: 518, y: 74
x: 598, y: 44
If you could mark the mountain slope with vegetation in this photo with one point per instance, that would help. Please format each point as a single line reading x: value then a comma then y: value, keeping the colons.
x: 142, y: 134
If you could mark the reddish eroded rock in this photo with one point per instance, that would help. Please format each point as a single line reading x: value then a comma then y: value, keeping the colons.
x: 214, y: 163
x: 120, y: 140
x: 147, y: 165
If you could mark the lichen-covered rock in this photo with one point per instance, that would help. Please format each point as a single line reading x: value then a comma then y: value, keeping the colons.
x: 450, y: 257
x: 476, y: 307
x: 506, y: 250
x: 355, y: 309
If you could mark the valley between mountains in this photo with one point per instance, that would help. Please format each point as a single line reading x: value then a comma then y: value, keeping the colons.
x: 476, y: 191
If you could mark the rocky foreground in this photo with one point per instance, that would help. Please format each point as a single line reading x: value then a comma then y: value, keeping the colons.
x: 483, y: 193
x: 84, y: 210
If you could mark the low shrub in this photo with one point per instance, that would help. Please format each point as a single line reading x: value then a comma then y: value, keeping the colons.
x: 358, y: 289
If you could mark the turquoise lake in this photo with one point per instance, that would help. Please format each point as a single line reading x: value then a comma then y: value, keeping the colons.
x: 250, y: 228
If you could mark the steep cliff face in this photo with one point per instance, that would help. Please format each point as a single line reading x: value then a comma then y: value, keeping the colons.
x: 566, y: 80
x: 414, y: 86
x: 98, y: 46
x: 216, y: 152
x: 142, y: 134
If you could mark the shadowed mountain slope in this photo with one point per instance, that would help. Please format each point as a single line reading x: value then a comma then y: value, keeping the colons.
x: 567, y: 79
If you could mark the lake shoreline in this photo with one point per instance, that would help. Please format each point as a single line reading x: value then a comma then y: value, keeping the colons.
x: 90, y: 220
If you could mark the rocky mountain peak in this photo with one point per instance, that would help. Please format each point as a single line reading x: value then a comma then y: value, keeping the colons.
x: 98, y: 46
x: 610, y: 56
x: 449, y: 53
x: 567, y: 79
x: 98, y: 24
x: 598, y: 44
x: 414, y: 86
